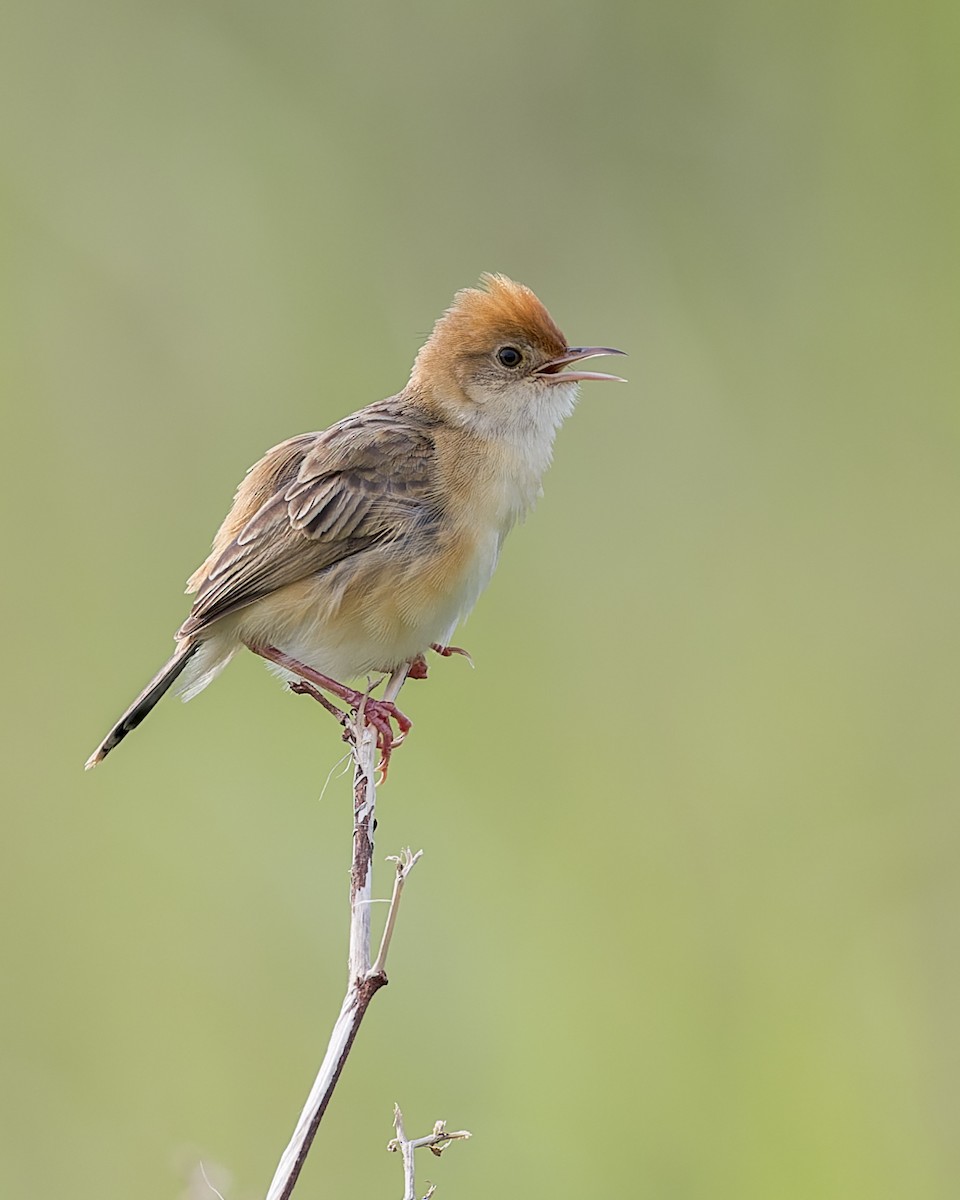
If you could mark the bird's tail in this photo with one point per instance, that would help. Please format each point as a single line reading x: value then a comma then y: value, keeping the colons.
x: 157, y: 686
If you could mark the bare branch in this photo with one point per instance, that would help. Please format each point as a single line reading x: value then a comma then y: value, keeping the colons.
x: 363, y: 982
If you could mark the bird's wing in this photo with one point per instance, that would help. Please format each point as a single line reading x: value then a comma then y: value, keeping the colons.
x: 312, y: 502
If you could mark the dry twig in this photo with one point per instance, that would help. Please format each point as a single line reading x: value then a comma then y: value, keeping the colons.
x: 436, y: 1142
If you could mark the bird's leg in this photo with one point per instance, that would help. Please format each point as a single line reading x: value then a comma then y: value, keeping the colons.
x: 381, y: 724
x: 378, y: 713
x: 301, y: 688
x: 395, y: 683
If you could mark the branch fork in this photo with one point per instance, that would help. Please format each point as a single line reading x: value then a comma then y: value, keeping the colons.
x: 435, y: 1142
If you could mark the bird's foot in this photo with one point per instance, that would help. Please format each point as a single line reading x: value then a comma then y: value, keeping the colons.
x: 378, y: 714
x: 418, y: 666
x: 447, y: 651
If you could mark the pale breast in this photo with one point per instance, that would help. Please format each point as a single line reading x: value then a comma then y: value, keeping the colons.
x: 378, y: 610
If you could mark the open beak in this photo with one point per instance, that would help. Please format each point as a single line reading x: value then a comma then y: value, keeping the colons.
x: 553, y: 372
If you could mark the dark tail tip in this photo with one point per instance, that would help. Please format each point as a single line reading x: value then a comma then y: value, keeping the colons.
x: 139, y: 709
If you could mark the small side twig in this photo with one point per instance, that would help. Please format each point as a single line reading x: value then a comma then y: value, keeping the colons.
x: 405, y: 863
x: 436, y: 1142
x: 364, y: 980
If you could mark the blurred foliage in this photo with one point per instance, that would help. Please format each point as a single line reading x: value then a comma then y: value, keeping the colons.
x: 686, y: 923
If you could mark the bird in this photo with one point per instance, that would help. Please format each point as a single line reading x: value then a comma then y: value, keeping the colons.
x: 354, y: 551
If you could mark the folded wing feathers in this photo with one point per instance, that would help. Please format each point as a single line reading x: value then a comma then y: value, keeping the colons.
x: 382, y: 484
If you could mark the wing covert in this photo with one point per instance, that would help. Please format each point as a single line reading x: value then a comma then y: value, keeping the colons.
x: 365, y: 481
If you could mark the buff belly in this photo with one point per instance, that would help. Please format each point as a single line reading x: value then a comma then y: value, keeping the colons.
x: 366, y: 615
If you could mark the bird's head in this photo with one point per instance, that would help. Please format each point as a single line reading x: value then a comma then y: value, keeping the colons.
x: 497, y: 362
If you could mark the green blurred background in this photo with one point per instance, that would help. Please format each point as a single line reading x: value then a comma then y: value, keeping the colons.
x: 687, y: 920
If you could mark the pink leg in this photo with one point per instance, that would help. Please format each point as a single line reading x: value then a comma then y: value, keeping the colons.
x: 301, y: 688
x: 377, y: 713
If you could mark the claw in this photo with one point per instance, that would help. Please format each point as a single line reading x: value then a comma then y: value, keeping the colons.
x: 447, y: 651
x: 379, y: 714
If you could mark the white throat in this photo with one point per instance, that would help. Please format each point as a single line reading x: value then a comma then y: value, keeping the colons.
x: 524, y: 434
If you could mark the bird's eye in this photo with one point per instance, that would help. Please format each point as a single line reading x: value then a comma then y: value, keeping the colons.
x: 509, y: 356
